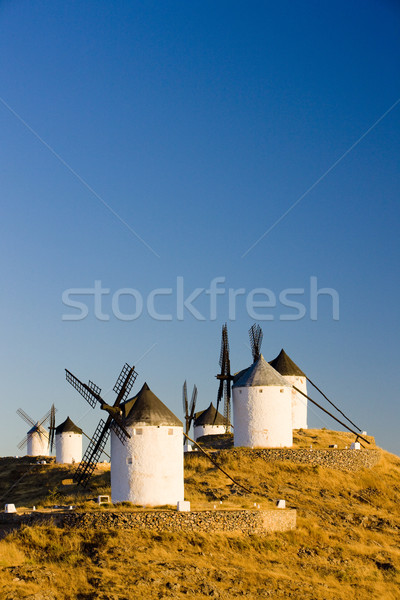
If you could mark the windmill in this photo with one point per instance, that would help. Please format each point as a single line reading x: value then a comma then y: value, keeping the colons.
x: 225, y: 378
x: 189, y: 409
x: 294, y: 376
x: 91, y: 393
x: 256, y: 337
x: 37, y: 440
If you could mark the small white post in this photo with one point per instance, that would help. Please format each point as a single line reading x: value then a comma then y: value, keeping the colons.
x: 103, y: 499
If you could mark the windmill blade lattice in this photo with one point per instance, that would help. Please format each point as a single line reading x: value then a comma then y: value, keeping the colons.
x: 125, y: 382
x: 52, y: 428
x: 119, y: 431
x: 91, y: 393
x: 185, y: 408
x: 193, y: 403
x: 256, y: 337
x: 185, y: 399
x: 87, y: 391
x: 95, y: 388
x: 189, y: 410
x: 93, y: 452
x: 23, y: 443
x: 25, y: 417
x: 225, y: 378
x: 227, y: 405
x: 44, y: 419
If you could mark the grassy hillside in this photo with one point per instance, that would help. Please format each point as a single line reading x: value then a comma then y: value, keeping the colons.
x: 346, y: 544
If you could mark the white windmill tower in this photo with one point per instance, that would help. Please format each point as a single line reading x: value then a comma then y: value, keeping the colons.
x: 146, y: 444
x: 209, y: 422
x: 148, y: 468
x: 262, y: 403
x: 262, y: 408
x: 295, y: 377
x: 68, y: 443
x: 38, y: 441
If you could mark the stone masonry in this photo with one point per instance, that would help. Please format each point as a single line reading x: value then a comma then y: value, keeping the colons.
x: 245, y: 521
x: 333, y: 458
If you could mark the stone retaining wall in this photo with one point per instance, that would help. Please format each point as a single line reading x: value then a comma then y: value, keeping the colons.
x: 246, y: 521
x: 333, y: 458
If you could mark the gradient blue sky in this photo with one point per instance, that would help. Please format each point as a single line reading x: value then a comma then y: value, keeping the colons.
x: 200, y: 124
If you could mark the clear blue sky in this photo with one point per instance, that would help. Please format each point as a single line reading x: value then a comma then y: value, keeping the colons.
x: 199, y: 124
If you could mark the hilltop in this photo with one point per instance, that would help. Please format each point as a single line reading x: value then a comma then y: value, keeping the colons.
x: 346, y: 544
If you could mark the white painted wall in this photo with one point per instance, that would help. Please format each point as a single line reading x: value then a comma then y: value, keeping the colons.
x: 155, y: 474
x: 37, y: 445
x: 262, y: 416
x: 299, y: 403
x: 68, y: 447
x: 201, y: 430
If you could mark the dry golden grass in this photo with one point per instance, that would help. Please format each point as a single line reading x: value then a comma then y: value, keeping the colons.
x: 323, y: 438
x: 346, y: 545
x: 302, y: 438
x: 46, y: 485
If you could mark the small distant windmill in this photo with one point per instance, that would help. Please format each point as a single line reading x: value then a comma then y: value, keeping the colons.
x: 256, y: 337
x: 225, y: 378
x: 189, y: 409
x: 38, y: 441
x: 91, y: 393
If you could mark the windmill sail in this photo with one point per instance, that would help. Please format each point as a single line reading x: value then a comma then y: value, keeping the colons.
x: 25, y: 417
x: 256, y: 336
x: 91, y: 396
x: 52, y: 428
x: 125, y: 382
x: 225, y: 378
x: 93, y: 452
x: 193, y: 403
x: 37, y: 427
x: 119, y: 431
x: 91, y: 393
x: 189, y: 410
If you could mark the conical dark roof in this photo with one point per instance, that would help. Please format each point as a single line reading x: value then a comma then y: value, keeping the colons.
x: 68, y: 427
x: 238, y: 375
x: 147, y: 408
x: 206, y: 417
x: 260, y: 373
x: 285, y: 366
